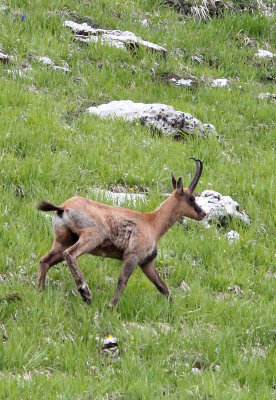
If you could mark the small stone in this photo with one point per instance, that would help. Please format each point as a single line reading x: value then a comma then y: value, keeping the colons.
x: 232, y: 236
x: 267, y: 96
x: 264, y: 54
x: 219, y: 83
x: 109, y: 279
x: 47, y: 61
x: 236, y: 289
x: 110, y: 346
x: 145, y: 22
x: 4, y: 58
x: 198, y: 58
x: 182, y: 82
x: 184, y: 287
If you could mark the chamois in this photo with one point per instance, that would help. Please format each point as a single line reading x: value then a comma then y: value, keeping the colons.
x: 83, y: 226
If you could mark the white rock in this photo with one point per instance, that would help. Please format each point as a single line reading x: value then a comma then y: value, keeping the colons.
x: 119, y: 39
x: 182, y: 82
x: 110, y: 346
x: 109, y: 340
x: 235, y: 289
x: 264, y: 54
x: 220, y: 207
x: 120, y: 198
x: 56, y: 67
x: 145, y: 22
x: 267, y: 96
x: 4, y: 57
x: 183, y: 286
x: 162, y: 117
x: 47, y: 61
x: 219, y: 83
x: 209, y: 129
x: 104, y: 39
x: 232, y: 236
x: 196, y: 371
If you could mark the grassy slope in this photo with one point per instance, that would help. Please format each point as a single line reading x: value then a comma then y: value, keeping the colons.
x: 49, y: 152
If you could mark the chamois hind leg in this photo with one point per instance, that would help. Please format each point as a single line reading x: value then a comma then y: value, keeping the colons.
x: 127, y: 268
x: 84, y: 245
x: 151, y: 272
x: 49, y: 260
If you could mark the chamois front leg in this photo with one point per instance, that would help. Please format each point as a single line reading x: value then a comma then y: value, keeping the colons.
x: 151, y: 272
x: 84, y: 245
x: 127, y: 268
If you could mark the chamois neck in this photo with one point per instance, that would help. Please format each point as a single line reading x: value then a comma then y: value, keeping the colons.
x: 165, y: 216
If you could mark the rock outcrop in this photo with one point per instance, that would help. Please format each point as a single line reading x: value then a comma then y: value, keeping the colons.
x: 221, y: 208
x: 116, y: 38
x: 160, y: 117
x: 264, y: 54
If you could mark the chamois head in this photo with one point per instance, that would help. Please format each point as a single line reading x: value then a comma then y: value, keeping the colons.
x: 186, y: 203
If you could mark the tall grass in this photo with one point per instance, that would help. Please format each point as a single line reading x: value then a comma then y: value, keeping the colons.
x: 50, y: 148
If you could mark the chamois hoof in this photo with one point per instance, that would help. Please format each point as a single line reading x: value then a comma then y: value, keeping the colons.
x: 87, y: 300
x: 112, y: 305
x: 85, y: 294
x: 40, y: 286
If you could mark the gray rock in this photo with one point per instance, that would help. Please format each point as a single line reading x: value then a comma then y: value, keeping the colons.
x: 161, y: 117
x: 110, y: 346
x: 116, y: 38
x: 267, y: 96
x: 232, y: 236
x: 47, y: 61
x: 182, y: 82
x: 145, y: 22
x: 184, y: 287
x: 264, y: 54
x: 219, y: 83
x: 4, y: 58
x: 236, y: 289
x: 220, y: 208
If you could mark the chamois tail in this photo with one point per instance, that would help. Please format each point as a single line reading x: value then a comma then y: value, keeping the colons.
x: 48, y: 206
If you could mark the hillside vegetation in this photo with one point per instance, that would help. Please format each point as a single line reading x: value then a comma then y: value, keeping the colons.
x: 217, y: 339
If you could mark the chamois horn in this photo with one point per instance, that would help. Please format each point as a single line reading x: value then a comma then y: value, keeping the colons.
x: 199, y: 168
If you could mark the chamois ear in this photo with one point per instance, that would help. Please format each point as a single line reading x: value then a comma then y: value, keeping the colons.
x: 173, y: 181
x: 180, y: 186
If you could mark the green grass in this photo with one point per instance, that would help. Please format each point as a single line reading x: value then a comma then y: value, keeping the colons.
x: 51, y: 149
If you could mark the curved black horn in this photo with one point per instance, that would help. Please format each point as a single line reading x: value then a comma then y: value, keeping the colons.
x: 199, y: 168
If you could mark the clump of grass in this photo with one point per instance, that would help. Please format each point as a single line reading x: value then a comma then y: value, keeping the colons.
x: 205, y: 9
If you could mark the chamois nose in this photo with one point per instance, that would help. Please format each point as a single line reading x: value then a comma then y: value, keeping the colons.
x: 202, y: 215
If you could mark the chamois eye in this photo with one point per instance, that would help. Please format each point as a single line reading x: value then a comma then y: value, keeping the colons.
x: 192, y: 198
